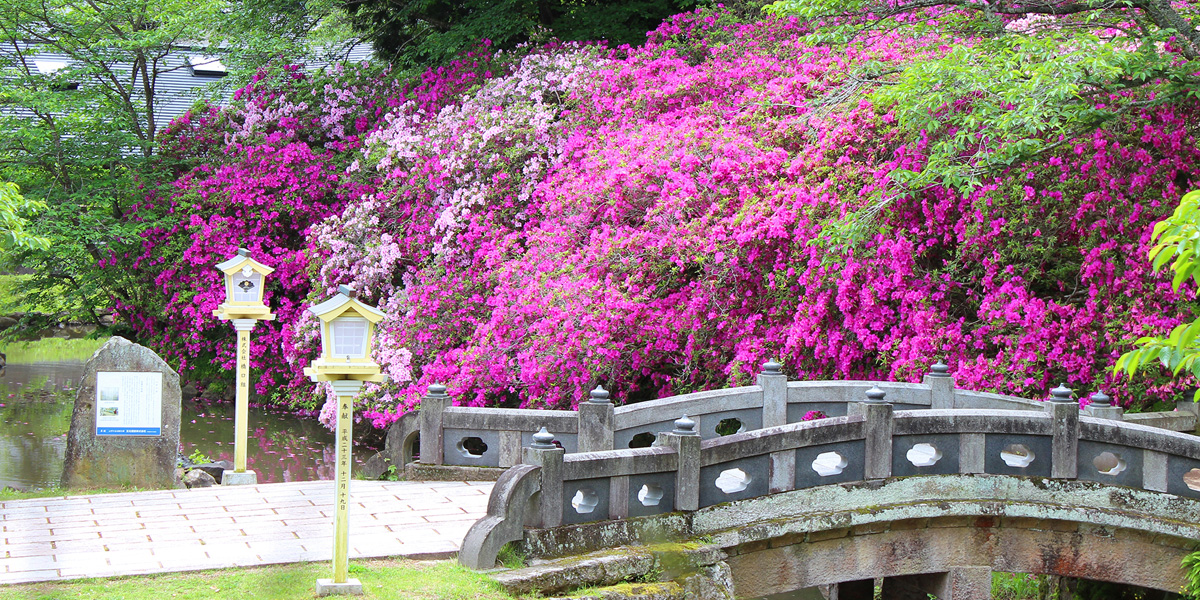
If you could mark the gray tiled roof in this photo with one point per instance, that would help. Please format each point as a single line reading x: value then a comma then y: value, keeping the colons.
x: 177, y: 87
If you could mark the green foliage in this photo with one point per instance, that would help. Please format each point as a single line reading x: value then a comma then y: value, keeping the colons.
x: 1177, y: 246
x: 1019, y: 586
x: 12, y: 225
x: 391, y: 474
x: 12, y: 296
x: 81, y: 140
x: 199, y: 458
x: 416, y: 34
x: 1027, y: 79
x: 1191, y: 571
x: 988, y: 106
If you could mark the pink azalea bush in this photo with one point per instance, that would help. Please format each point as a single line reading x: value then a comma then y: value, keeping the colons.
x: 675, y: 243
x: 269, y: 168
x: 658, y: 220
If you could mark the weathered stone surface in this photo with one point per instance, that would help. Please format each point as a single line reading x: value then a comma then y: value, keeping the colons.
x: 602, y: 568
x: 576, y: 539
x: 402, y: 440
x: 215, y: 469
x: 668, y: 590
x: 231, y: 477
x: 327, y: 587
x: 419, y: 471
x: 713, y: 582
x: 115, y: 461
x: 961, y: 525
x: 198, y: 479
x: 659, y: 571
x: 375, y: 466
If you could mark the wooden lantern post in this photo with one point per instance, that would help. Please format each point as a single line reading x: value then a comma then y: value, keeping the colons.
x: 347, y: 329
x: 245, y: 279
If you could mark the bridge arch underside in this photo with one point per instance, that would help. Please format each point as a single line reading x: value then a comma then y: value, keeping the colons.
x: 954, y: 544
x: 936, y: 524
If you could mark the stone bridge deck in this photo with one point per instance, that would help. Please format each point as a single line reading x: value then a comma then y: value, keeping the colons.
x: 182, y: 530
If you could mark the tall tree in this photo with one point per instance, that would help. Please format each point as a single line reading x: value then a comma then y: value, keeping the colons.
x: 419, y: 32
x: 82, y: 100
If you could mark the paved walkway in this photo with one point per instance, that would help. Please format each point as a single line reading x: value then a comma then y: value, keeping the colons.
x: 182, y: 530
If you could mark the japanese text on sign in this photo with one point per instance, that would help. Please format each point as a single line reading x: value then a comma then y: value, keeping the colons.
x: 128, y: 403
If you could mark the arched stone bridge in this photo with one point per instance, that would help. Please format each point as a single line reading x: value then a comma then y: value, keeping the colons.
x: 925, y: 485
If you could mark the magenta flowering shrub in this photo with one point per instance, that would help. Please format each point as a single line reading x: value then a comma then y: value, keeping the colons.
x: 659, y: 220
x: 671, y: 234
x: 459, y: 183
x: 260, y: 174
x: 270, y: 167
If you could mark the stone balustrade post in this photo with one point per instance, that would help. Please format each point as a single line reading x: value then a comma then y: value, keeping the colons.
x: 543, y: 453
x: 433, y: 403
x: 1064, y: 410
x: 686, y: 442
x: 775, y: 401
x: 878, y: 430
x: 1192, y: 408
x: 596, y: 422
x: 774, y: 413
x: 941, y: 385
x: 1101, y: 407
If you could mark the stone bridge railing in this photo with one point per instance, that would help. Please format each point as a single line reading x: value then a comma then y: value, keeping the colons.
x: 682, y: 471
x: 494, y: 437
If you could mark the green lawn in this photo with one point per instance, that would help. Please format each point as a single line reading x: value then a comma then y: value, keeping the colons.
x: 381, y: 579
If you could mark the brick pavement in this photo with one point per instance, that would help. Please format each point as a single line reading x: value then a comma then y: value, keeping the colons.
x: 181, y: 530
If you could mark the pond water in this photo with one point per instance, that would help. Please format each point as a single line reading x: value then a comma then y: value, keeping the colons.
x: 36, y: 401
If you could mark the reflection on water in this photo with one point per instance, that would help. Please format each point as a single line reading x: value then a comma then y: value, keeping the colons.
x: 279, y: 446
x: 34, y: 419
x: 36, y: 401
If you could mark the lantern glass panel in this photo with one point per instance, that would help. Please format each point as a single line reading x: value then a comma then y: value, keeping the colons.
x: 246, y: 288
x: 349, y: 337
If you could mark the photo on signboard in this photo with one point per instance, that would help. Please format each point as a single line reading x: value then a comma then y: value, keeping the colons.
x: 110, y: 394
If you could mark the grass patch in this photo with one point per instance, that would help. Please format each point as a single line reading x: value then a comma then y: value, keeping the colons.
x: 7, y: 494
x: 51, y: 350
x: 381, y: 578
x: 511, y: 556
x: 1019, y: 586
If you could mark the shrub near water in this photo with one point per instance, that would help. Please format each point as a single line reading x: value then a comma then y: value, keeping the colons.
x: 659, y: 220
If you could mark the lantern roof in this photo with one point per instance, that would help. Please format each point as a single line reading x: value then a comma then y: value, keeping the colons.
x: 241, y: 261
x: 345, y: 300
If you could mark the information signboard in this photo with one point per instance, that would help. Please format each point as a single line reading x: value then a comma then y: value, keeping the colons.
x: 128, y: 403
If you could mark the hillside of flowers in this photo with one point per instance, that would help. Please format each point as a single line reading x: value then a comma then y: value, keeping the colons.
x: 658, y: 220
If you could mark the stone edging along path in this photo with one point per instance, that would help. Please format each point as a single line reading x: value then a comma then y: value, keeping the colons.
x: 60, y: 538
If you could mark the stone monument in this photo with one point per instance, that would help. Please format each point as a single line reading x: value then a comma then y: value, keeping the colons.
x: 125, y: 426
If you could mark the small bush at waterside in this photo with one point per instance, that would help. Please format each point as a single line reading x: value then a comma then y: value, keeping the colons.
x: 14, y: 300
